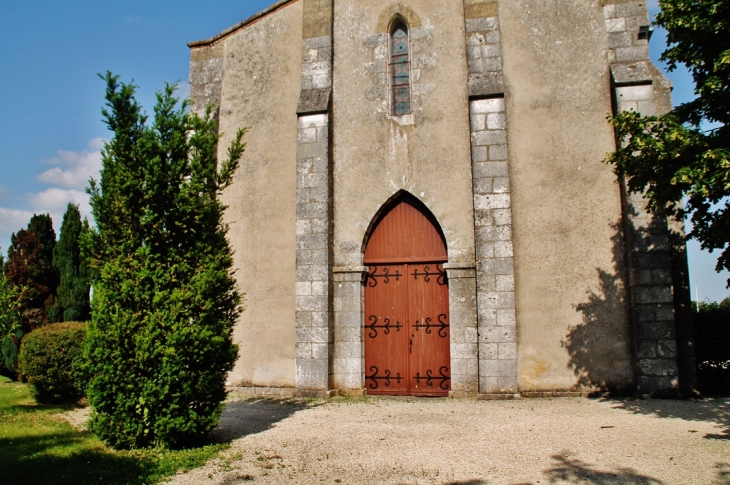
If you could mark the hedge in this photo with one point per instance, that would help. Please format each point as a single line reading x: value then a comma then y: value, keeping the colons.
x: 51, y: 359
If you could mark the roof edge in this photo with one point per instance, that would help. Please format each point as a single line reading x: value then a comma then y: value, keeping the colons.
x: 230, y: 30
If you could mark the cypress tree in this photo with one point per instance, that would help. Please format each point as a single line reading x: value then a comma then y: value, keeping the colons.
x: 159, y: 341
x: 71, y: 266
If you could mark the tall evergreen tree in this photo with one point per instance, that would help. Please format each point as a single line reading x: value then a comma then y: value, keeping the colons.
x: 72, y: 268
x: 159, y: 341
x: 27, y: 267
x: 42, y: 226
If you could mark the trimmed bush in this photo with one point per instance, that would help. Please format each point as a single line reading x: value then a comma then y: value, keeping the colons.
x: 51, y: 359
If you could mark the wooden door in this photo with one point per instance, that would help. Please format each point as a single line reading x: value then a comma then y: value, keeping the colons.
x: 406, y: 305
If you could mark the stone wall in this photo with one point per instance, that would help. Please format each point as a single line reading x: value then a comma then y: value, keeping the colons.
x: 243, y: 70
x: 650, y: 260
x: 314, y: 317
x: 571, y: 301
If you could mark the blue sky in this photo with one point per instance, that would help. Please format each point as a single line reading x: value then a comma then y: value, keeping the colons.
x: 50, y: 96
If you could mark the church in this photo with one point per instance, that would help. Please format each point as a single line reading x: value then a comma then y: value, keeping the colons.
x: 423, y: 208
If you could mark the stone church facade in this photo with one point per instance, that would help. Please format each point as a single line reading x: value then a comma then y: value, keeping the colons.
x: 479, y: 127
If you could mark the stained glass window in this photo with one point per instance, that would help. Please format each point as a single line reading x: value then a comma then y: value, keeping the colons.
x: 400, y: 68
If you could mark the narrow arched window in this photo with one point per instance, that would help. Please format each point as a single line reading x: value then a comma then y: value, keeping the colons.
x: 400, y: 69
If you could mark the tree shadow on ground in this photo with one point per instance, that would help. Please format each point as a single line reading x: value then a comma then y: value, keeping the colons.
x: 723, y: 474
x: 715, y: 410
x: 569, y: 469
x: 27, y: 460
x: 467, y: 482
x: 252, y: 416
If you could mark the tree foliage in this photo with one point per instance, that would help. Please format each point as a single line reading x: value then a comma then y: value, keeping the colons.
x: 11, y: 306
x: 51, y: 359
x: 42, y: 226
x: 27, y: 267
x: 159, y: 341
x: 686, y: 152
x: 72, y: 268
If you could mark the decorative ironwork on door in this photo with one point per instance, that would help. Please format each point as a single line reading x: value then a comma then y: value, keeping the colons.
x: 407, y: 329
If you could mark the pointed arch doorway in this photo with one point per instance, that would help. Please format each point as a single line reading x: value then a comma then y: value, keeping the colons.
x: 407, y: 334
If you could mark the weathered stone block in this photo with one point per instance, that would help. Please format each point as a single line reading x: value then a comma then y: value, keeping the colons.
x: 488, y: 351
x: 463, y: 350
x: 482, y: 24
x: 491, y: 105
x: 490, y: 169
x: 505, y: 316
x: 312, y: 241
x: 487, y: 316
x: 498, y: 152
x: 478, y: 122
x: 348, y: 319
x: 303, y: 288
x: 478, y: 154
x: 656, y: 330
x: 616, y: 25
x: 492, y: 201
x: 497, y: 385
x: 505, y: 282
x: 347, y: 333
x: 312, y: 121
x: 667, y: 348
x: 312, y: 374
x: 498, y: 368
x: 311, y: 150
x: 498, y: 266
x: 303, y: 350
x: 483, y: 185
x: 502, y: 217
x: 658, y: 367
x: 496, y: 121
x: 654, y: 294
x: 507, y: 351
x: 497, y: 334
x: 494, y: 233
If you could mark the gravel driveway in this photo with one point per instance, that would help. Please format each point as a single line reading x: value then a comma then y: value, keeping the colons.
x: 446, y: 441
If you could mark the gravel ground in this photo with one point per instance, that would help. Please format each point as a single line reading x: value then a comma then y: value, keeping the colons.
x: 446, y: 441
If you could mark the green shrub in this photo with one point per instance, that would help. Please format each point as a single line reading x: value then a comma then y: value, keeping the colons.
x: 160, y: 337
x: 51, y: 359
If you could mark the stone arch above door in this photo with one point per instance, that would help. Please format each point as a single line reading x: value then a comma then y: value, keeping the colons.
x: 421, y: 238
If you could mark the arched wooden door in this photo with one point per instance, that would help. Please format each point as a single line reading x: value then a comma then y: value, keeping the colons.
x: 407, y: 304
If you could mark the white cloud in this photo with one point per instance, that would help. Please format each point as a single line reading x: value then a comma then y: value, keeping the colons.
x: 11, y: 220
x: 55, y: 200
x: 74, y: 168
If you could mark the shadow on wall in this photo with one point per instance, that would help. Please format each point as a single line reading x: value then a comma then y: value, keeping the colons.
x: 252, y: 416
x: 656, y: 341
x: 599, y: 346
x: 569, y: 469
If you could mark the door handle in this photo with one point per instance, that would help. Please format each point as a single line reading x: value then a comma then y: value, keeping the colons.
x: 410, y: 344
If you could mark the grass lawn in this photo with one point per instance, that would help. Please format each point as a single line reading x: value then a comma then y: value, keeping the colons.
x: 37, y: 446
